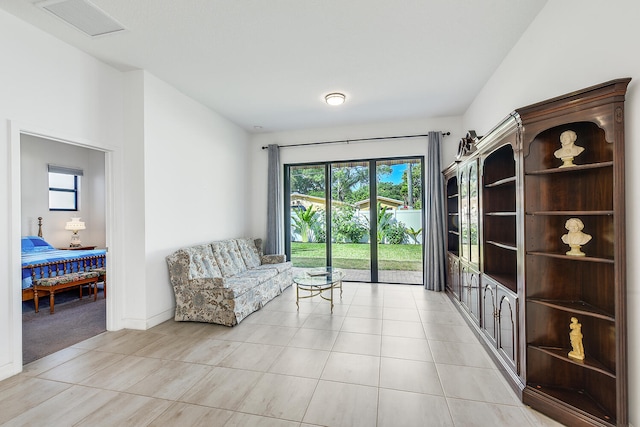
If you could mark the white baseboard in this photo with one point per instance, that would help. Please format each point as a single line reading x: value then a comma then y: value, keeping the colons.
x: 9, y: 370
x: 144, y: 324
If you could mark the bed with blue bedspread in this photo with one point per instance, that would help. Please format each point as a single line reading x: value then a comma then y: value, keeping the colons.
x: 35, y: 250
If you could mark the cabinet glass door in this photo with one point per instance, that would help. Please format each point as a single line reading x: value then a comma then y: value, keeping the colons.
x: 474, y: 245
x: 507, y: 327
x: 489, y: 309
x: 464, y: 214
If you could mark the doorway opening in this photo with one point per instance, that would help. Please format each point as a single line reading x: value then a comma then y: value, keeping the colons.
x: 74, y: 319
x: 364, y: 217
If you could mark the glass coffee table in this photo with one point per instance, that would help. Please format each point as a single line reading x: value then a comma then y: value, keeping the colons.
x: 316, y: 281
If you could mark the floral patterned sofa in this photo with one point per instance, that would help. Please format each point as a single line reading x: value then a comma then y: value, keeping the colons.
x: 223, y: 282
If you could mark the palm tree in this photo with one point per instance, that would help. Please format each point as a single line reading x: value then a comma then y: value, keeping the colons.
x: 384, y: 221
x: 305, y: 222
x: 414, y: 234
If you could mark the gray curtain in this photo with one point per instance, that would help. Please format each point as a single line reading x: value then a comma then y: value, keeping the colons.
x: 434, y: 232
x: 273, y: 240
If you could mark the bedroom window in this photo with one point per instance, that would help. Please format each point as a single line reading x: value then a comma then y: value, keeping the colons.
x: 64, y: 188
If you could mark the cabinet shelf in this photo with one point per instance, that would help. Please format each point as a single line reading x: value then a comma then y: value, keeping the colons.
x: 573, y: 258
x: 577, y: 307
x: 508, y: 281
x: 498, y: 183
x: 575, y: 168
x: 508, y: 246
x: 500, y: 213
x: 562, y: 354
x: 571, y: 213
x: 574, y: 398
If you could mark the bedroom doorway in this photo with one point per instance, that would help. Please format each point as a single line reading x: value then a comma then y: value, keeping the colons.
x: 74, y: 319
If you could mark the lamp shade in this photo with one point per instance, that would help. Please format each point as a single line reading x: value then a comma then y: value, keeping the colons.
x: 75, y: 224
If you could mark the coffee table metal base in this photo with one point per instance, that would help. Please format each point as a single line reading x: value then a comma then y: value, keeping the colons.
x: 317, y: 290
x: 317, y: 283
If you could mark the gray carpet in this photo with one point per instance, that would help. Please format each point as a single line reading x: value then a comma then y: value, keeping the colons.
x: 74, y: 320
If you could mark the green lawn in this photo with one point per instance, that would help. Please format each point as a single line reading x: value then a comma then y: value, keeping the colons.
x: 356, y: 256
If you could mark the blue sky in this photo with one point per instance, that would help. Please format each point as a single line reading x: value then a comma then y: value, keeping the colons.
x: 396, y: 175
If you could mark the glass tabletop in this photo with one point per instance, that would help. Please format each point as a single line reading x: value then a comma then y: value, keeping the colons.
x: 319, y: 276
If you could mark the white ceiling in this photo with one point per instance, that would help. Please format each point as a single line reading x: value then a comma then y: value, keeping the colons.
x: 269, y: 63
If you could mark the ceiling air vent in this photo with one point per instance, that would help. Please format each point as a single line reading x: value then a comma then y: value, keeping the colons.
x: 83, y: 15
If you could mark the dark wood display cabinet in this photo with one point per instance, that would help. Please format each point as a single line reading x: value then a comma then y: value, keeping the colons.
x: 501, y: 213
x: 487, y: 287
x: 591, y: 287
x: 511, y: 274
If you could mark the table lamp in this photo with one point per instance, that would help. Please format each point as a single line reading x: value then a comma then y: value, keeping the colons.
x: 75, y: 225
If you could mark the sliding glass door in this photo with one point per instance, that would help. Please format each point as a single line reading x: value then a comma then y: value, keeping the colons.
x: 306, y: 232
x: 364, y: 217
x: 350, y: 230
x: 399, y: 220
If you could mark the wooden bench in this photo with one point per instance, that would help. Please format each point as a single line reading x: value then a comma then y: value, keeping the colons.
x: 51, y: 277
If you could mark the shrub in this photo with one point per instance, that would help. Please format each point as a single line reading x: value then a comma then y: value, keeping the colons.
x: 396, y: 233
x: 347, y: 226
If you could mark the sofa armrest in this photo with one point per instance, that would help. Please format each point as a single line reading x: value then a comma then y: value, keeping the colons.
x: 273, y: 259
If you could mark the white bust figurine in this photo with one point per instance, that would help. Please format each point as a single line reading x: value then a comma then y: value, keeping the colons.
x: 575, y: 237
x: 568, y: 150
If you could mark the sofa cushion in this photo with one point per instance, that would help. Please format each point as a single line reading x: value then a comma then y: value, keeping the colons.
x: 284, y: 266
x: 261, y: 275
x: 228, y: 257
x: 202, y: 263
x: 235, y: 287
x: 249, y: 252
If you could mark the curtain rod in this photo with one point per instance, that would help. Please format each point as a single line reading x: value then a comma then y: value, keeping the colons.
x: 264, y: 147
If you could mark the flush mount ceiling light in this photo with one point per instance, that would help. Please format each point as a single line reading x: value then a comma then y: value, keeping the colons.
x: 335, y: 98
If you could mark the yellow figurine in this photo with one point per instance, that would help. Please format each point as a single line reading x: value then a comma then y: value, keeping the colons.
x: 576, y: 340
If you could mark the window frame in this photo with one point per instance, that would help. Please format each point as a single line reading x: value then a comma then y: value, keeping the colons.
x: 76, y: 173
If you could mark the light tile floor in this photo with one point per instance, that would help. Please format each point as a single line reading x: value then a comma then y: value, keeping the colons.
x: 391, y: 276
x: 389, y: 355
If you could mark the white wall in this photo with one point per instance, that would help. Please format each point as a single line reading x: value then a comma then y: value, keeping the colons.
x: 195, y: 176
x: 169, y: 164
x: 35, y: 154
x: 574, y: 44
x: 48, y: 88
x: 351, y: 151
